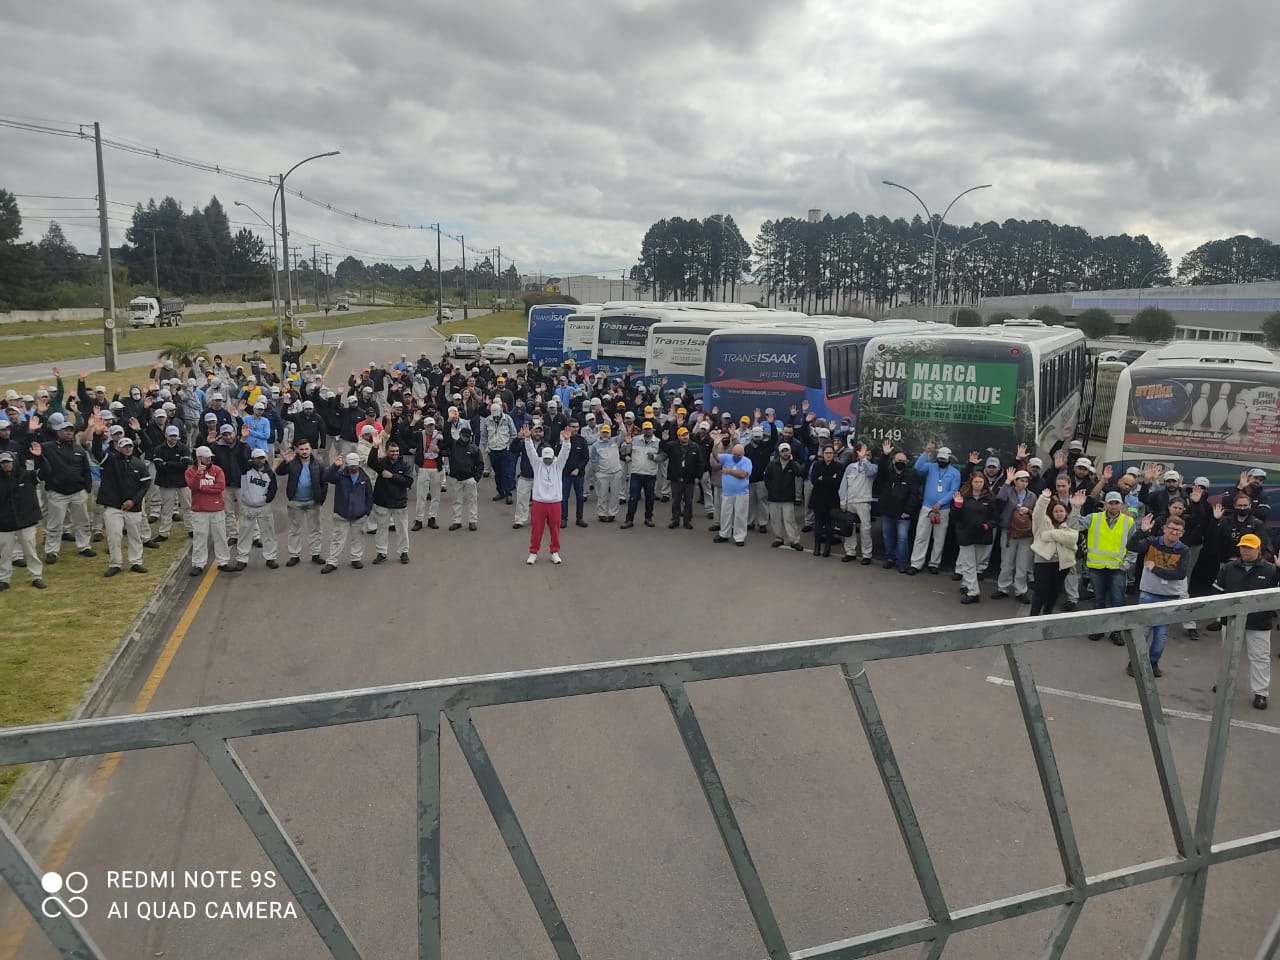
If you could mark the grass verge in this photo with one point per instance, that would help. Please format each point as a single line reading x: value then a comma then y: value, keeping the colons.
x: 57, y: 639
x: 14, y: 328
x: 38, y: 349
x: 508, y: 323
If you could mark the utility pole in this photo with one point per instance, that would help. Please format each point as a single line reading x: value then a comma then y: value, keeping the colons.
x: 439, y: 281
x: 315, y: 276
x: 463, y: 241
x: 155, y: 267
x: 328, y: 293
x: 498, y: 275
x: 108, y: 292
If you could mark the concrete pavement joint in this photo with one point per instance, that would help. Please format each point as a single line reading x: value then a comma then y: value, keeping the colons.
x: 1127, y: 705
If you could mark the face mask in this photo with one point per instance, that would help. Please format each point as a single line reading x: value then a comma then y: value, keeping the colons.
x: 899, y: 466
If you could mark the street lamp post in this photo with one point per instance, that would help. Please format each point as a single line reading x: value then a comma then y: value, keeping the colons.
x: 951, y: 260
x: 275, y: 271
x: 284, y: 240
x: 935, y: 228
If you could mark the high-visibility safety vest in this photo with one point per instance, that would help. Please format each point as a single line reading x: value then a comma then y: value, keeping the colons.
x: 1108, y: 544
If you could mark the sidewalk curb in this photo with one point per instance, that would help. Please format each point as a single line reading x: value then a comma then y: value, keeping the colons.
x: 140, y: 638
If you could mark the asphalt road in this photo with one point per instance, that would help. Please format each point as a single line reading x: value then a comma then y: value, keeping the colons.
x: 394, y: 329
x: 124, y: 324
x: 602, y: 785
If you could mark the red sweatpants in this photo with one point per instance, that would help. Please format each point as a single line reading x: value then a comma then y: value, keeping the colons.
x: 544, y: 513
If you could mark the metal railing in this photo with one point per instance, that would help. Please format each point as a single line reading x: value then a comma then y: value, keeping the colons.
x: 210, y: 729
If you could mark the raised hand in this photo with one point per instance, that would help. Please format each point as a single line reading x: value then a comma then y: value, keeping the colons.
x: 1148, y: 522
x: 289, y: 455
x: 1021, y: 452
x: 56, y: 372
x: 35, y: 449
x: 244, y: 432
x: 84, y: 374
x: 887, y: 447
x: 1060, y: 460
x: 1196, y: 494
x: 1107, y: 473
x: 1008, y: 475
x: 1150, y: 473
x: 1077, y: 498
x: 930, y: 447
x: 975, y: 457
x: 1218, y: 511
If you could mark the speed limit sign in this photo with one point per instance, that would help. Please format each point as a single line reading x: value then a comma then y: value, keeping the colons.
x: 288, y: 314
x: 109, y: 323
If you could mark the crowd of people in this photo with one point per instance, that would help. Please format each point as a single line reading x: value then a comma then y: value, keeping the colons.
x: 212, y: 446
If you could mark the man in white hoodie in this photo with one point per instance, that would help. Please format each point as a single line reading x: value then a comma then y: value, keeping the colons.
x: 548, y: 489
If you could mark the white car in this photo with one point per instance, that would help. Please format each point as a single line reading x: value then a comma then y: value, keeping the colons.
x: 446, y: 314
x: 506, y: 349
x: 462, y: 345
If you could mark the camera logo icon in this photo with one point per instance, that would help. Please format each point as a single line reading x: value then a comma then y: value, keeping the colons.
x: 72, y: 884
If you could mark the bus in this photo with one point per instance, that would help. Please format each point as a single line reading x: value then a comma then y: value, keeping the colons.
x: 622, y: 335
x: 546, y: 332
x: 814, y: 359
x: 677, y: 348
x: 1209, y: 409
x: 977, y: 388
x: 580, y: 336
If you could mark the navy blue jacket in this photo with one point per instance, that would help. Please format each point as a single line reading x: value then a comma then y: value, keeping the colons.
x: 352, y: 495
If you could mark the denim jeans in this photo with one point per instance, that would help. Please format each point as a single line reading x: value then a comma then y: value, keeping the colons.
x: 1157, y: 634
x: 640, y: 483
x: 1108, y: 587
x: 897, y: 540
x: 571, y: 485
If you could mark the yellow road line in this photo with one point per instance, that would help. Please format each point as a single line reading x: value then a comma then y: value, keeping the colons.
x: 70, y: 834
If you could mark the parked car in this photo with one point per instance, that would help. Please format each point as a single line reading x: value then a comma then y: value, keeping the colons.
x: 446, y: 314
x: 462, y: 345
x: 1121, y: 356
x: 506, y: 349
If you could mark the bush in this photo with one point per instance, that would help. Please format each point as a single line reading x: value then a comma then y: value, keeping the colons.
x: 966, y: 317
x: 1153, y: 324
x: 1096, y: 323
x: 1049, y: 316
x: 1000, y: 316
x: 1271, y: 330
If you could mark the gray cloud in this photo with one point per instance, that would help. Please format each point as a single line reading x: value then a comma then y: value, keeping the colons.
x: 562, y: 130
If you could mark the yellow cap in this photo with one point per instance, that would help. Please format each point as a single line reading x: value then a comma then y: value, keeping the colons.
x: 1249, y: 540
x: 745, y: 419
x: 646, y: 425
x: 605, y: 428
x: 681, y: 410
x: 682, y: 432
x: 648, y: 411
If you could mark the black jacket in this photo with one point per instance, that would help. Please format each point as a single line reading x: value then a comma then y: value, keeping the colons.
x: 1230, y: 530
x: 759, y: 454
x: 977, y: 521
x: 123, y: 478
x: 465, y: 461
x: 1234, y: 578
x: 780, y: 480
x: 390, y: 492
x: 307, y: 425
x: 19, y: 506
x: 171, y: 465
x: 293, y: 470
x: 230, y: 458
x: 579, y: 455
x: 825, y: 479
x: 685, y: 462
x: 900, y: 494
x: 64, y: 467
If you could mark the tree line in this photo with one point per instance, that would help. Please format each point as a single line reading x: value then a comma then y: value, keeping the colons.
x: 871, y: 264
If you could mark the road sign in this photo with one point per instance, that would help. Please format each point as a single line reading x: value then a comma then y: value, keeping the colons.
x: 300, y: 324
x: 109, y: 323
x: 288, y: 314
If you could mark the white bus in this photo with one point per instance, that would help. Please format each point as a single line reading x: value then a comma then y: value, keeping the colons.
x: 786, y: 363
x: 677, y: 348
x: 1208, y: 409
x: 976, y: 388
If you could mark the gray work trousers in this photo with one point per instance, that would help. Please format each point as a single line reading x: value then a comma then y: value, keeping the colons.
x: 206, y: 527
x: 782, y: 517
x: 968, y: 560
x: 427, y: 495
x: 342, y: 531
x: 938, y: 531
x: 758, y: 509
x: 265, y: 520
x: 524, y: 494
x: 708, y: 498
x: 304, y: 514
x: 608, y: 486
x: 733, y: 516
x: 56, y: 508
x: 465, y: 496
x: 1015, y: 565
x: 119, y: 524
x: 174, y: 500
x: 1257, y: 645
x: 861, y: 531
x: 384, y: 518
x: 10, y: 541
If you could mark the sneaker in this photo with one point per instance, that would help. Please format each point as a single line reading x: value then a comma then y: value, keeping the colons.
x: 580, y: 522
x: 236, y: 567
x: 509, y: 500
x: 688, y: 526
x: 71, y: 537
x: 739, y: 543
x: 673, y: 524
x: 162, y: 538
x: 1095, y: 636
x: 889, y: 564
x: 404, y: 558
x: 848, y: 558
x: 98, y: 537
x: 713, y: 528
x: 1117, y: 638
x: 111, y: 571
x: 517, y: 526
x: 1069, y: 607
x: 1259, y: 700
x: 51, y: 558
x: 137, y: 568
x: 257, y: 542
x: 357, y: 565
x: 455, y: 526
x: 776, y: 543
x: 88, y: 552
x: 196, y: 571
x: 380, y: 558
x: 563, y: 524
x: 1023, y: 597
x: 866, y: 561
x: 720, y: 539
x: 472, y: 527
x: 1156, y: 671
x: 328, y: 568
x: 998, y: 594
x: 626, y: 525
x: 797, y: 546
x: 417, y: 525
x: 555, y: 558
x: 317, y: 559
x: 4, y: 586
x: 431, y: 524
x: 956, y: 576
x: 971, y: 598
x: 272, y: 565
x: 648, y: 522
x: 935, y: 571
x: 40, y: 585
x: 911, y: 571
x: 1193, y: 633
x: 293, y: 561
x: 533, y: 558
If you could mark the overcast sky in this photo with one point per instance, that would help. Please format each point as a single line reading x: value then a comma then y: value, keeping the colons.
x: 561, y: 130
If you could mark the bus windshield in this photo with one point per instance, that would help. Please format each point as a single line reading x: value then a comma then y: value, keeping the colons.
x: 546, y: 333
x: 579, y: 337
x: 750, y: 370
x: 968, y: 394
x: 621, y: 340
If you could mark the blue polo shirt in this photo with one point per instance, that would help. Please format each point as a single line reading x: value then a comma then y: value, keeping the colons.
x: 734, y: 486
